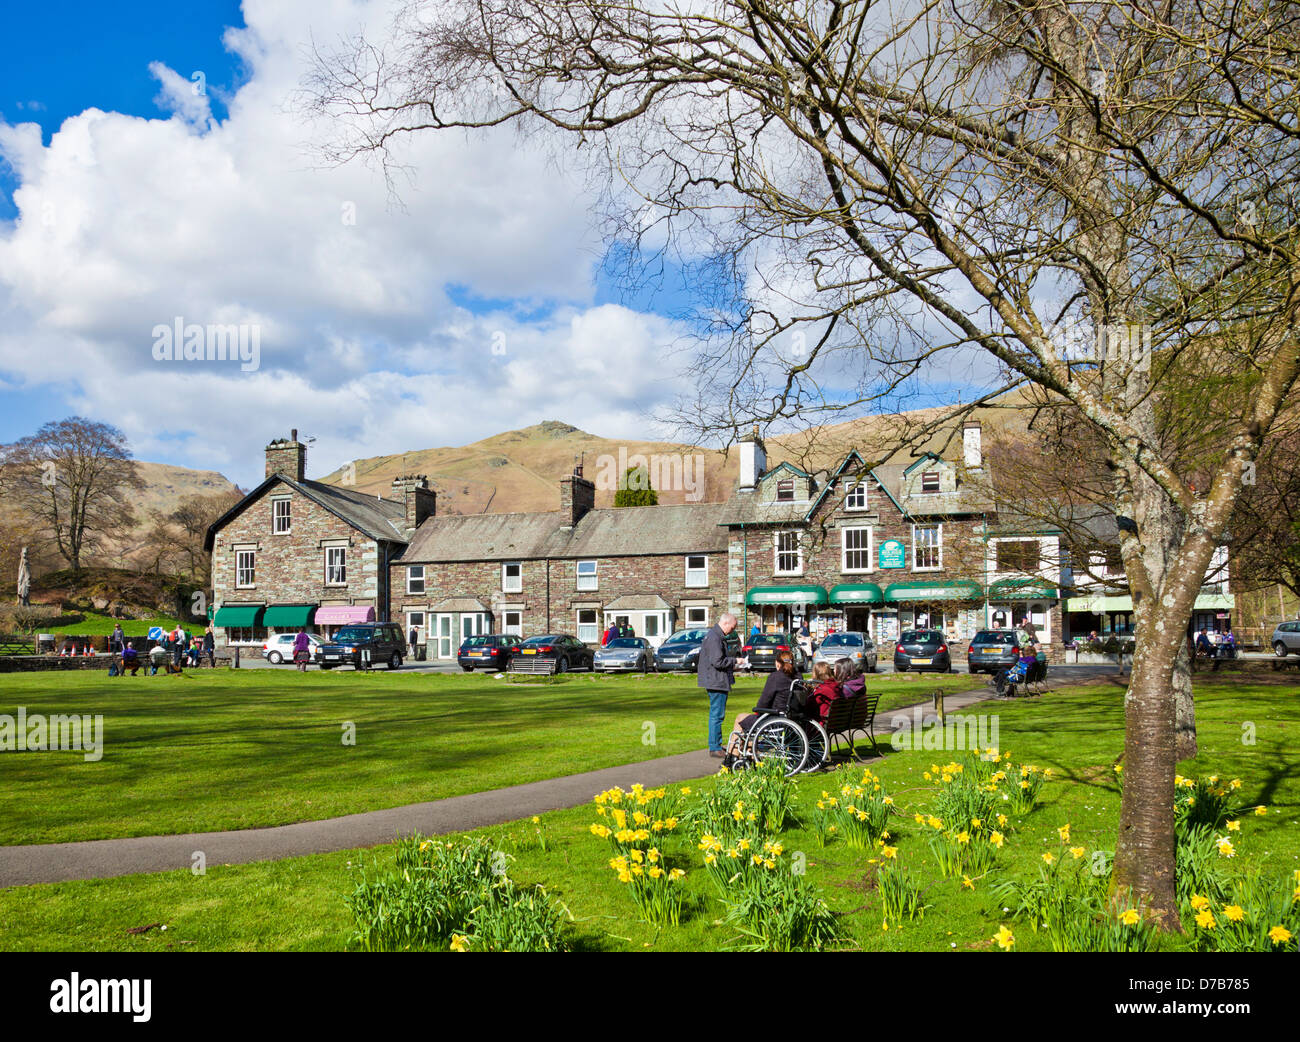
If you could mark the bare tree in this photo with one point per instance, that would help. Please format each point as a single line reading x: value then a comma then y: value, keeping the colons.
x: 1093, y: 199
x: 74, y: 478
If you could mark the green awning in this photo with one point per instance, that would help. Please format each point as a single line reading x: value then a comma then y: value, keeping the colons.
x: 288, y: 616
x: 1022, y: 590
x: 935, y: 591
x: 786, y: 595
x: 1099, y: 603
x: 860, y: 593
x: 238, y: 615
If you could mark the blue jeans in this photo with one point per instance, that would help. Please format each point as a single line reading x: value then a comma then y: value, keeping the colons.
x: 717, y: 713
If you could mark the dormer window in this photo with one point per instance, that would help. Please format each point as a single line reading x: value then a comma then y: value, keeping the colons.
x: 930, y: 481
x: 856, y: 499
x: 785, y: 490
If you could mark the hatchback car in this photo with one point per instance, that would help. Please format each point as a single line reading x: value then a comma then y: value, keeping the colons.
x: 761, y: 650
x: 922, y: 650
x: 854, y: 646
x: 682, y: 650
x: 487, y: 651
x: 626, y: 655
x: 992, y: 650
x: 567, y: 651
x: 359, y: 643
x: 1286, y: 639
x: 279, y: 648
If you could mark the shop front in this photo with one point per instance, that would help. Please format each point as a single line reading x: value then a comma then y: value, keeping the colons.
x: 289, y: 618
x: 784, y: 609
x: 1012, y: 600
x: 853, y: 605
x: 955, y: 608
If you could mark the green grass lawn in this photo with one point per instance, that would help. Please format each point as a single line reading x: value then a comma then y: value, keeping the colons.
x: 227, y: 749
x: 298, y: 903
x: 97, y: 625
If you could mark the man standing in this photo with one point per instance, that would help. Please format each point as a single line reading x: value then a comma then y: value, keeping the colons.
x: 716, y: 675
x: 115, y: 641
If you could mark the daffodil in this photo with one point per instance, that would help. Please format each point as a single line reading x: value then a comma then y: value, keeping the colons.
x: 1279, y: 935
x: 1005, y: 938
x: 1047, y: 858
x: 1234, y: 913
x: 996, y: 839
x: 1260, y: 811
x: 1130, y: 917
x: 1064, y: 832
x: 967, y: 882
x: 1205, y: 919
x: 459, y: 943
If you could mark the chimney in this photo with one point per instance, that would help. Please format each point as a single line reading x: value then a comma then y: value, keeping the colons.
x: 971, y: 437
x: 421, y: 500
x: 753, y: 460
x: 577, y: 496
x: 287, y: 457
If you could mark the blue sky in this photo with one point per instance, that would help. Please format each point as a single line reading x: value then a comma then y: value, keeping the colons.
x: 481, y: 299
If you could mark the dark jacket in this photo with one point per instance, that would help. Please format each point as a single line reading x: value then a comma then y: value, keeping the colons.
x: 716, y: 668
x: 776, y: 692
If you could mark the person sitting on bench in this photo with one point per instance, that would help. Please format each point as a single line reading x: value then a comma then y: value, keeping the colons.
x: 130, y: 660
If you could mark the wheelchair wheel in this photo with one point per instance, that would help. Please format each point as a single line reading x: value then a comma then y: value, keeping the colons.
x: 782, y: 739
x: 819, y: 746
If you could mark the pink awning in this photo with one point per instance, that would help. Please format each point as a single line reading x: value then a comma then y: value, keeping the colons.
x: 341, y: 614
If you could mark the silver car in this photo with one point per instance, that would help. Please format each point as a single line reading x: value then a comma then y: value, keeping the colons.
x: 1286, y: 639
x: 852, y: 645
x: 626, y: 655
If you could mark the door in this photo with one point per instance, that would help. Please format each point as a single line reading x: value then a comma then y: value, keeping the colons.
x: 443, y: 633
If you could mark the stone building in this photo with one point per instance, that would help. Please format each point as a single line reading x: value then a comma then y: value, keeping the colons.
x: 296, y: 553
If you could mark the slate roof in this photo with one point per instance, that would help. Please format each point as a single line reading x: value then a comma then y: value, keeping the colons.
x: 377, y: 518
x: 610, y: 532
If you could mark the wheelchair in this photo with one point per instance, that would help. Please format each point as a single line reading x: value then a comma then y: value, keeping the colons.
x: 1022, y: 674
x: 791, y: 736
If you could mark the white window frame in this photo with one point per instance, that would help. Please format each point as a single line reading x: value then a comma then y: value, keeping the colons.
x: 518, y: 586
x: 592, y: 628
x: 776, y: 552
x: 412, y: 578
x: 419, y: 627
x: 472, y: 624
x: 515, y: 628
x: 276, y: 518
x: 335, y: 569
x: 938, y: 546
x: 698, y: 582
x: 870, y: 548
x: 691, y: 624
x: 851, y: 492
x: 589, y: 580
x: 251, y: 569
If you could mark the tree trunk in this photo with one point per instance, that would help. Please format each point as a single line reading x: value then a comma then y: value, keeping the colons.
x: 1184, y: 706
x: 1144, y: 847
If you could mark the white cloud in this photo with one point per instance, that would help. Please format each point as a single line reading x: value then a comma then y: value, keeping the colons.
x: 126, y: 222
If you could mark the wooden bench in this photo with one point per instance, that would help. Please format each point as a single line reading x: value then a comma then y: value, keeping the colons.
x: 852, y: 716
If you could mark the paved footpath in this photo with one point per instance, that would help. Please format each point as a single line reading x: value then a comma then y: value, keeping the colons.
x: 104, y: 858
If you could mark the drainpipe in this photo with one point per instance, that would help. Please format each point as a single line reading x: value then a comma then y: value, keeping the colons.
x: 548, y: 595
x: 744, y: 589
x: 984, y: 522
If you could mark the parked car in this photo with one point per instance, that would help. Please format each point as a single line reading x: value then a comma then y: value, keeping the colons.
x: 279, y: 648
x: 488, y: 651
x: 567, y: 651
x: 922, y: 650
x: 761, y: 649
x: 992, y: 650
x: 626, y: 655
x: 855, y: 646
x: 682, y: 650
x: 382, y: 640
x: 1286, y: 639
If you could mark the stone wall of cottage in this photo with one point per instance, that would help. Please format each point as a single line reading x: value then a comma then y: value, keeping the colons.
x: 290, y: 567
x: 659, y: 574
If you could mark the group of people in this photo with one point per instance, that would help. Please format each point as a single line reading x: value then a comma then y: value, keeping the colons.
x: 1226, y: 647
x: 617, y: 630
x: 177, y: 650
x: 841, y: 679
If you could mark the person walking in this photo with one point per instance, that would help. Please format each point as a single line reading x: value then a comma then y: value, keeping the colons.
x: 716, y: 675
x: 302, y: 650
x: 210, y: 646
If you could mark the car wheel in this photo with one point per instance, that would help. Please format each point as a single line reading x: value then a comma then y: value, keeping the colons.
x: 900, y: 667
x: 1279, y: 649
x: 561, y: 665
x: 395, y: 662
x: 323, y: 666
x: 468, y: 669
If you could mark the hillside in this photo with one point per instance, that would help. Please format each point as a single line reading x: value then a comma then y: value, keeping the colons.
x: 520, y: 470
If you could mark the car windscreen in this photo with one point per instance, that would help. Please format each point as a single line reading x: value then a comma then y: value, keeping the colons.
x: 920, y: 637
x: 350, y: 634
x: 476, y: 642
x: 768, y: 639
x: 624, y: 642
x: 843, y: 640
x: 535, y: 641
x: 684, y: 636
